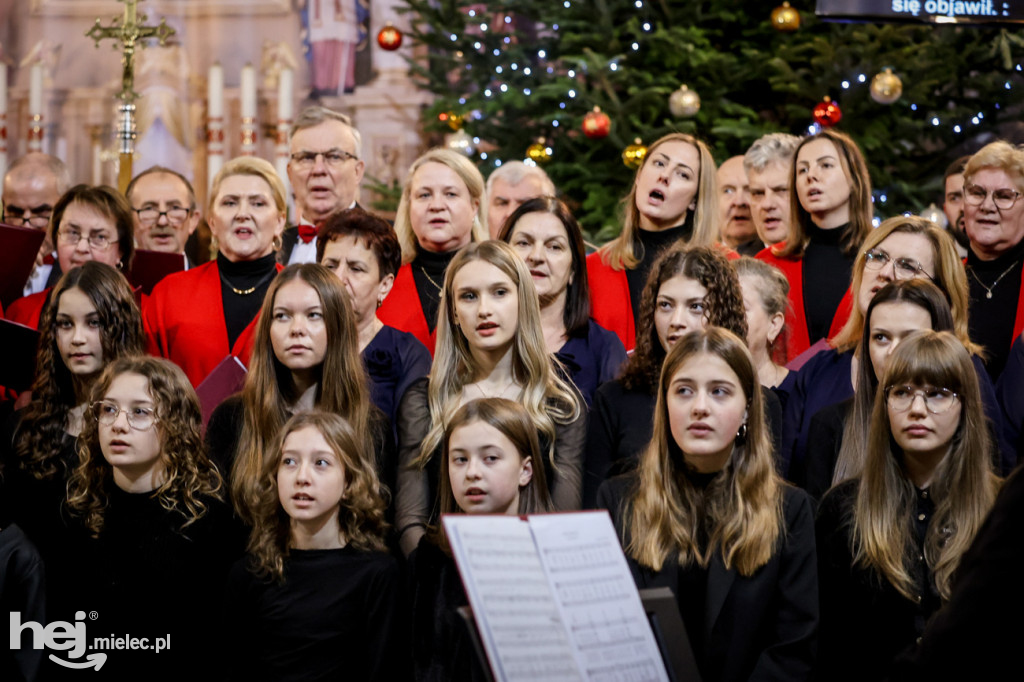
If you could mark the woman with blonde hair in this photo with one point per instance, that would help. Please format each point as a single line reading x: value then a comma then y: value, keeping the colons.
x: 831, y: 213
x: 199, y: 317
x: 305, y: 356
x: 890, y: 540
x: 441, y: 210
x: 672, y: 199
x: 901, y: 248
x: 706, y: 515
x: 490, y: 345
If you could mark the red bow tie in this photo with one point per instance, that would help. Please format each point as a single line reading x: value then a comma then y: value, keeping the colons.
x: 48, y: 259
x: 307, y: 233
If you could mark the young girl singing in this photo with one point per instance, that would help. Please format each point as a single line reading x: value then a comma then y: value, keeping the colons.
x: 488, y: 467
x: 318, y: 597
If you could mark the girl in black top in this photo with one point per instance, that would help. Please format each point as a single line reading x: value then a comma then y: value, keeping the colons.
x: 890, y: 540
x: 318, y: 597
x: 488, y: 467
x: 157, y: 536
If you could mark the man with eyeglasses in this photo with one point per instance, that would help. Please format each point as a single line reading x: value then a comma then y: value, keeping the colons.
x: 31, y: 188
x: 164, y: 210
x: 325, y: 171
x: 994, y: 221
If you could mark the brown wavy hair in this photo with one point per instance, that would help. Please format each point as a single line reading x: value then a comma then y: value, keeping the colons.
x: 724, y: 306
x: 269, y: 389
x: 360, y: 513
x: 191, y: 479
x: 42, y: 429
x: 963, y: 488
x: 741, y: 509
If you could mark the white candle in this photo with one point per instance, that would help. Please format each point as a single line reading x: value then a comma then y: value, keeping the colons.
x: 248, y: 91
x: 284, y: 95
x: 3, y: 88
x: 215, y: 91
x: 35, y: 90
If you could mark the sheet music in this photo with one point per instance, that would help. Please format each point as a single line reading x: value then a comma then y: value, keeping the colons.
x: 597, y: 598
x: 515, y: 612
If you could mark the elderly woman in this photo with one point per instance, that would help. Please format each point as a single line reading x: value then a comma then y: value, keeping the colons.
x: 363, y: 251
x: 994, y: 220
x: 442, y: 209
x: 198, y: 317
x: 87, y: 223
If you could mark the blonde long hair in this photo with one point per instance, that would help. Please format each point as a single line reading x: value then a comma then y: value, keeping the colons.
x: 963, y: 488
x: 620, y: 252
x: 546, y: 396
x: 342, y: 385
x: 741, y: 508
x: 469, y: 174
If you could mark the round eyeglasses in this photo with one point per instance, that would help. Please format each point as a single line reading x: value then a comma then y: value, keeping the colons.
x: 903, y: 268
x: 936, y: 400
x: 139, y: 418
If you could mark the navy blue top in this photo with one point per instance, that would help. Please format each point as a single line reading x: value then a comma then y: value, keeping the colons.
x: 1010, y: 391
x: 393, y: 359
x: 593, y: 359
x: 825, y: 380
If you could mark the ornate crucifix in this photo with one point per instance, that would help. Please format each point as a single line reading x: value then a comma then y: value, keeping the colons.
x: 129, y: 33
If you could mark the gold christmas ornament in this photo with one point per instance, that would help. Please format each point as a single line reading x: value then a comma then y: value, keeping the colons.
x: 539, y: 152
x: 453, y: 119
x: 634, y: 154
x: 785, y: 18
x: 886, y: 87
x: 684, y: 102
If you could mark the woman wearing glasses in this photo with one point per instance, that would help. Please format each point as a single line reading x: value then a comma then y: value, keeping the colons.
x: 199, y: 317
x: 157, y: 538
x: 890, y: 540
x: 442, y: 209
x: 901, y: 248
x: 994, y: 220
x: 87, y: 224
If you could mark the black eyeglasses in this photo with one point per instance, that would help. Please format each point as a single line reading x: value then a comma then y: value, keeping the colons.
x: 39, y: 216
x: 175, y: 215
x: 903, y: 268
x: 332, y: 157
x: 1003, y: 198
x: 936, y: 400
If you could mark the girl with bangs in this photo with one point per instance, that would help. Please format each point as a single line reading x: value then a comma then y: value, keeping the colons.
x: 673, y: 199
x: 158, y: 537
x: 91, y: 321
x: 318, y: 597
x: 706, y: 515
x: 890, y: 540
x: 305, y: 356
x: 490, y: 345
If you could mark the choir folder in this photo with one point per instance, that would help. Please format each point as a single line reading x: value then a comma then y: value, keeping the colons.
x: 20, y: 245
x: 553, y: 598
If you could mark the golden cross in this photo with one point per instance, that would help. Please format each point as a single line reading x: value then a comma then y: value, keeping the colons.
x: 128, y: 31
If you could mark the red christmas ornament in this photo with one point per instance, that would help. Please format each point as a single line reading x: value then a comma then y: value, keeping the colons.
x: 389, y: 38
x: 827, y: 113
x: 596, y: 124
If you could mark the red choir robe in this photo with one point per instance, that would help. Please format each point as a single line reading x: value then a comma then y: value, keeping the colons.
x: 402, y: 309
x: 797, y: 335
x: 184, y: 322
x: 28, y: 309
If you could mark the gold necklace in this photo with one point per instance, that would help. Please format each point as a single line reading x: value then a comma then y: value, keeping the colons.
x: 430, y: 279
x: 500, y: 394
x: 988, y: 289
x: 246, y: 292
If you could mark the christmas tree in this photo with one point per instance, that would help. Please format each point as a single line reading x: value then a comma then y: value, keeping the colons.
x: 518, y: 73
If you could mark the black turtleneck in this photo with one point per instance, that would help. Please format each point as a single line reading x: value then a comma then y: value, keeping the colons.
x: 428, y: 275
x: 991, y: 320
x: 648, y: 245
x: 240, y: 309
x: 826, y: 272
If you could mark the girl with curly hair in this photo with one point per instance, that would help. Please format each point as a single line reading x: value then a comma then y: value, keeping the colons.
x: 158, y: 536
x: 689, y: 288
x: 488, y: 467
x: 706, y: 515
x: 305, y: 356
x: 890, y: 540
x: 91, y: 321
x: 318, y: 597
x: 490, y: 344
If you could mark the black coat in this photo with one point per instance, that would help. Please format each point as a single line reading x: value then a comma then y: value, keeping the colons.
x: 762, y: 627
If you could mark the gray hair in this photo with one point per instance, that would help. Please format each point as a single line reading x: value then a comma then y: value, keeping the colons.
x: 514, y: 172
x: 314, y: 116
x: 40, y: 160
x: 770, y: 148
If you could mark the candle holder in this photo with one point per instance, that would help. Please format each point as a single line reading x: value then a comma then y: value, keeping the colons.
x: 249, y: 136
x: 35, y: 133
